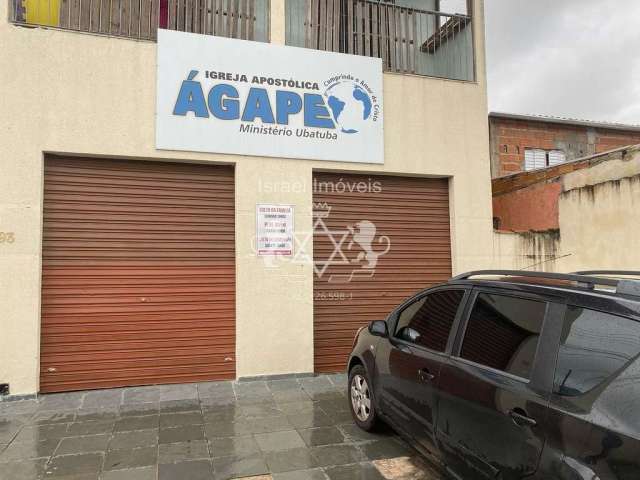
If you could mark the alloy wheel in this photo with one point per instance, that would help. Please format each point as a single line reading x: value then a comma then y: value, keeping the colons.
x: 360, y: 398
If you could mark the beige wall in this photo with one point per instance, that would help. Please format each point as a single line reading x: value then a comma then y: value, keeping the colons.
x: 89, y: 95
x: 599, y: 218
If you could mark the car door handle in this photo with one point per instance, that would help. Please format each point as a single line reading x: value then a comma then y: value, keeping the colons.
x: 521, y: 418
x: 424, y: 375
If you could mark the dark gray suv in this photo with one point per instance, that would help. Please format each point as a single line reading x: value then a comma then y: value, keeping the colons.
x: 510, y: 374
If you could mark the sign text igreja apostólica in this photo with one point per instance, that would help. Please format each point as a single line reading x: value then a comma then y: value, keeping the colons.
x: 224, y: 95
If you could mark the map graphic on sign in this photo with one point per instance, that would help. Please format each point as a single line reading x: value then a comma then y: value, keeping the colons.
x: 350, y: 106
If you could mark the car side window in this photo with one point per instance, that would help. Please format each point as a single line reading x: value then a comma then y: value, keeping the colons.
x: 503, y: 332
x: 593, y: 347
x: 428, y: 321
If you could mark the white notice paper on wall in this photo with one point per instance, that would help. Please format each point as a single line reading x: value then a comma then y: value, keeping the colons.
x: 274, y: 230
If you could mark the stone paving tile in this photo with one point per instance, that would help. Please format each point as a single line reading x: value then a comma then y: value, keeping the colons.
x: 65, y: 465
x: 223, y: 414
x: 23, y: 470
x: 90, y: 427
x: 314, y: 474
x: 97, y: 413
x: 168, y: 420
x: 140, y: 395
x: 386, y: 448
x: 179, y: 406
x: 48, y: 417
x: 86, y: 444
x: 282, y: 396
x: 188, y: 391
x: 280, y: 429
x: 233, y: 446
x: 270, y: 424
x: 61, y: 401
x: 284, y: 440
x: 143, y: 473
x: 18, y: 407
x: 42, y: 432
x: 330, y: 455
x: 226, y: 468
x: 134, y: 439
x: 139, y: 409
x: 314, y: 437
x: 283, y: 385
x: 361, y: 471
x: 177, y: 452
x: 232, y: 428
x: 408, y: 468
x: 145, y: 422
x: 183, y: 433
x: 190, y: 470
x: 103, y: 398
x: 316, y: 418
x: 28, y: 450
x: 215, y: 389
x: 131, y: 458
x: 288, y: 460
x: 353, y: 433
x: 211, y: 404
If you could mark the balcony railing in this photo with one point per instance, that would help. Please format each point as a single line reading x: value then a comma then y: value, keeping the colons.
x: 408, y: 40
x: 140, y: 19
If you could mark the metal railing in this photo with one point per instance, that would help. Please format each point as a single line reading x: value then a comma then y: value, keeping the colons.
x: 140, y: 19
x: 408, y: 40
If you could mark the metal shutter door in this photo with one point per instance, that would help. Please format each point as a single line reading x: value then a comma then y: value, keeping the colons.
x: 138, y: 275
x: 413, y: 213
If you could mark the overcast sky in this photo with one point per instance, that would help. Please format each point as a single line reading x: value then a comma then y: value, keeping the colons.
x: 567, y: 58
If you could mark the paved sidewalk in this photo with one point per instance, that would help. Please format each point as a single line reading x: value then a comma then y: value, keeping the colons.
x: 282, y: 429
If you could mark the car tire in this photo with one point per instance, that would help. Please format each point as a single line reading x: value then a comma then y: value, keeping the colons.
x: 361, y: 402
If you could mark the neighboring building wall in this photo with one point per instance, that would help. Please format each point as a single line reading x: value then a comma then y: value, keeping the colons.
x: 534, y: 208
x: 598, y: 223
x: 93, y: 95
x: 510, y: 137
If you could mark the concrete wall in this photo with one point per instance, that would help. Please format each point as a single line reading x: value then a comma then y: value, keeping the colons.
x: 599, y: 215
x: 89, y: 95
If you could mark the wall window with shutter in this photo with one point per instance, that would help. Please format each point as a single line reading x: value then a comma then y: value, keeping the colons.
x: 535, y: 158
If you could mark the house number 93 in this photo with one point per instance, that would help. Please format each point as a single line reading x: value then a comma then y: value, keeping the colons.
x: 7, y: 237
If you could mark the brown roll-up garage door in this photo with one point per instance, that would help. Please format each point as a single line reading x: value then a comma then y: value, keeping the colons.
x: 377, y: 240
x: 138, y: 275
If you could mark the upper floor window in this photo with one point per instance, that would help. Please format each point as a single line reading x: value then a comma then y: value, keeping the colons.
x: 245, y: 19
x: 410, y: 36
x: 503, y: 332
x: 535, y: 158
x: 427, y: 321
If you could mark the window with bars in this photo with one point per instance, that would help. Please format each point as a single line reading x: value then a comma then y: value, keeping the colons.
x: 410, y: 36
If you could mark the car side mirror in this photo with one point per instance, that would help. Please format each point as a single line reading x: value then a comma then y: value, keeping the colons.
x: 378, y: 328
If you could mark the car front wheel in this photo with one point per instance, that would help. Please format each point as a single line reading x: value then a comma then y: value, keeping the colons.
x: 361, y: 400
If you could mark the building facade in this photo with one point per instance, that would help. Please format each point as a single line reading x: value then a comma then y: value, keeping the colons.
x: 126, y: 264
x: 523, y: 143
x: 571, y: 217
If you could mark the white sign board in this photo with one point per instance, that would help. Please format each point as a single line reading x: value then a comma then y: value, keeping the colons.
x: 223, y: 95
x: 274, y: 230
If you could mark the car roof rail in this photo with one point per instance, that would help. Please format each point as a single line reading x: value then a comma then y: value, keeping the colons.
x: 625, y: 286
x: 583, y: 281
x: 610, y: 273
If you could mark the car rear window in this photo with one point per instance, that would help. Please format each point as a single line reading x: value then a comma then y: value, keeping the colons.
x: 593, y: 347
x: 503, y: 332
